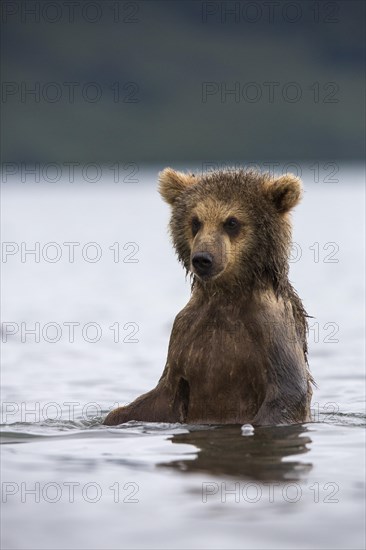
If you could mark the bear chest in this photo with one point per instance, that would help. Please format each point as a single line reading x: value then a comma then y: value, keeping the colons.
x: 216, y: 350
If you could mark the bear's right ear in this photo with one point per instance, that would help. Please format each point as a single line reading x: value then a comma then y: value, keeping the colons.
x: 172, y: 184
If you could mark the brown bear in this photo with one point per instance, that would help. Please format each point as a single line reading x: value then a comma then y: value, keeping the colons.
x: 238, y: 350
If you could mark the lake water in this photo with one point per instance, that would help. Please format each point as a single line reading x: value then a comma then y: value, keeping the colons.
x: 86, y: 327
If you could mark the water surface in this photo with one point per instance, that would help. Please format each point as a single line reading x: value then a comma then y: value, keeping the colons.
x: 68, y: 482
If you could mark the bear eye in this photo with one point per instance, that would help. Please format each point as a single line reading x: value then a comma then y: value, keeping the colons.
x: 232, y: 226
x: 196, y: 226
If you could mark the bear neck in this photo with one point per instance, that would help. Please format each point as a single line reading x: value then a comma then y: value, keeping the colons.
x: 243, y: 288
x: 242, y: 293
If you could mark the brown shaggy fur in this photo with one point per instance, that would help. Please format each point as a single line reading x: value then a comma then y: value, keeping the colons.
x: 237, y: 351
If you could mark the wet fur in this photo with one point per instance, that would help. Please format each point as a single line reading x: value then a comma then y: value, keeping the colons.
x: 238, y: 350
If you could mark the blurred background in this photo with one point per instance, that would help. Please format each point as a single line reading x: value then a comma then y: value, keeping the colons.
x: 181, y: 81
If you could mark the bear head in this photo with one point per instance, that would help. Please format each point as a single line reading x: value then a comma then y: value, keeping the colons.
x: 232, y: 228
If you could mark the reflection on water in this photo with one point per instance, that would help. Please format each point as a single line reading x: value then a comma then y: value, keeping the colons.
x: 225, y: 452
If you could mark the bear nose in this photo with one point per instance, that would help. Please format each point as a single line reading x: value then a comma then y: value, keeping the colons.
x: 202, y: 263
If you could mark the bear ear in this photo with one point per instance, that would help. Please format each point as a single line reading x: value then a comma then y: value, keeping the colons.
x: 284, y: 192
x: 172, y: 184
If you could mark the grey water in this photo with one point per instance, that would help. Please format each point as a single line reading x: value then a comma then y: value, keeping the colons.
x: 86, y: 319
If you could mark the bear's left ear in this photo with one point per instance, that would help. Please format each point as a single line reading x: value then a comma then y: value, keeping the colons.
x: 284, y: 192
x: 172, y: 184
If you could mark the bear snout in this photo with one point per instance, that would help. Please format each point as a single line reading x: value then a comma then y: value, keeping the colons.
x: 202, y: 263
